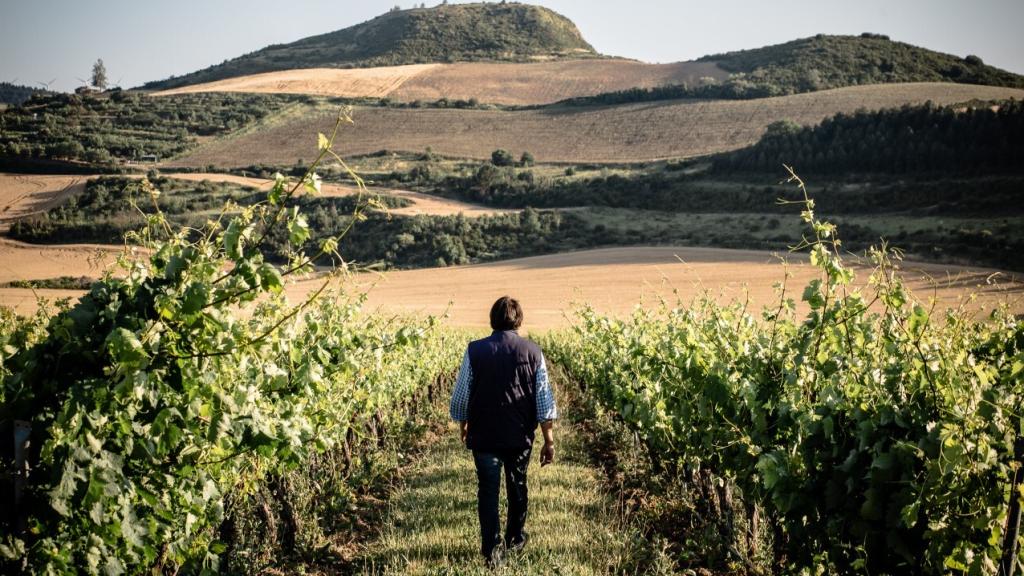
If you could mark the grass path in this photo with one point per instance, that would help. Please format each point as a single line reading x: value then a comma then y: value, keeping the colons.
x: 431, y: 525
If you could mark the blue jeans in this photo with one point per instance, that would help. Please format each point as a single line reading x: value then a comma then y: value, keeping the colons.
x: 488, y: 475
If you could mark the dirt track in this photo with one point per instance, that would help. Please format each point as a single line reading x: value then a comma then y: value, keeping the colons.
x: 488, y: 82
x: 626, y: 133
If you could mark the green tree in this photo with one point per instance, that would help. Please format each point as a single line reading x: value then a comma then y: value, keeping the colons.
x: 526, y: 159
x: 99, y: 74
x: 501, y: 157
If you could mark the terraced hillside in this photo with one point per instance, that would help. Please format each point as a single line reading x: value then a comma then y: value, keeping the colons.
x: 513, y: 83
x: 625, y: 133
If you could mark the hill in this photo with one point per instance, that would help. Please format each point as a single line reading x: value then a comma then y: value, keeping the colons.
x: 626, y: 133
x: 432, y: 38
x: 823, y: 62
x: 811, y: 64
x: 445, y: 33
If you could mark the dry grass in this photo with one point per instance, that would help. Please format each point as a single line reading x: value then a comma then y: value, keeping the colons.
x: 432, y: 526
x: 627, y: 133
x: 613, y: 280
x: 26, y: 194
x: 495, y: 83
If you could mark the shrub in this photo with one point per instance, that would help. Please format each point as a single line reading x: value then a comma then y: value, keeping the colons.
x: 501, y: 157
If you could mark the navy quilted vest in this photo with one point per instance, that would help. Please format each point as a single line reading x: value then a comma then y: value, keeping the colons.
x: 503, y: 394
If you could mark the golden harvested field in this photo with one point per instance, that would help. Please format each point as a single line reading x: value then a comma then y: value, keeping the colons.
x: 21, y: 261
x: 613, y: 280
x: 350, y: 83
x: 488, y: 82
x: 626, y: 133
x: 421, y: 203
x: 25, y: 194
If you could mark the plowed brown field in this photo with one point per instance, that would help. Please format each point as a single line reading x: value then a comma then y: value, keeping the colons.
x: 626, y: 133
x: 547, y: 82
x: 489, y: 82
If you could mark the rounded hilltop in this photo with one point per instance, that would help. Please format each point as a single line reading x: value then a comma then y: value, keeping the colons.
x: 445, y: 33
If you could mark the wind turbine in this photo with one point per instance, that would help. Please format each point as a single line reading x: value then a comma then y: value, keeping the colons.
x: 46, y: 85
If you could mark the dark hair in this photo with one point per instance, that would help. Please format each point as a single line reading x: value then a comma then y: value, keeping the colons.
x: 506, y: 314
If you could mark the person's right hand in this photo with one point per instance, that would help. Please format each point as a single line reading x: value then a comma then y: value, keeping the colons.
x: 463, y: 431
x: 547, y: 453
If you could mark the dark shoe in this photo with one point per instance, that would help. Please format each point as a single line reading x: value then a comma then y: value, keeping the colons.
x: 496, y: 558
x: 517, y: 545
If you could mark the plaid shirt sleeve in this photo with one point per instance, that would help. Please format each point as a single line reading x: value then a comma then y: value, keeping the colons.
x: 546, y: 409
x: 459, y: 406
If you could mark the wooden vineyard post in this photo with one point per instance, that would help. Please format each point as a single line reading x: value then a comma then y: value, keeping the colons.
x: 1008, y: 563
x: 347, y: 449
x: 380, y: 427
x: 22, y: 432
x: 375, y: 430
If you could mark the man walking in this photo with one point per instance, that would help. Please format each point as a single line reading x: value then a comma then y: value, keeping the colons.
x: 501, y: 394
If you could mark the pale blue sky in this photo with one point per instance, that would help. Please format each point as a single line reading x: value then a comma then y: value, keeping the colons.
x: 142, y: 40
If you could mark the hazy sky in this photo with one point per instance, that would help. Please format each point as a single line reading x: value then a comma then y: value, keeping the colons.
x: 142, y: 40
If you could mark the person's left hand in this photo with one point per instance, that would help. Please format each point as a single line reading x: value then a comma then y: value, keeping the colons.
x: 463, y: 431
x: 547, y: 454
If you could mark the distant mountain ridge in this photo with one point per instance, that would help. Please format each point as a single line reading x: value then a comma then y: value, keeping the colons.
x: 444, y: 33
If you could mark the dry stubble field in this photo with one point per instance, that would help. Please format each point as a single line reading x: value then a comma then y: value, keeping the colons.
x: 26, y: 194
x: 613, y: 280
x: 489, y: 82
x: 626, y: 133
